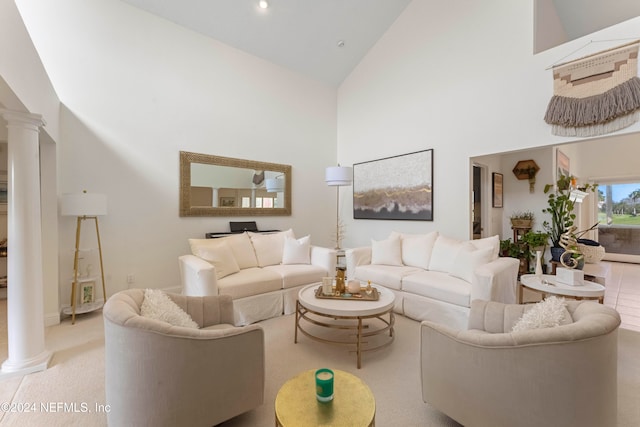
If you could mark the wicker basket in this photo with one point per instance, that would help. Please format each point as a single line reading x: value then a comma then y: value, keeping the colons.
x: 592, y: 254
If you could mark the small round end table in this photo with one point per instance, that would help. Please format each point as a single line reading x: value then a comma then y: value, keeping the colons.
x: 353, y: 403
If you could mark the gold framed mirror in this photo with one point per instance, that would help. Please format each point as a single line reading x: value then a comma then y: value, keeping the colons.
x: 224, y: 186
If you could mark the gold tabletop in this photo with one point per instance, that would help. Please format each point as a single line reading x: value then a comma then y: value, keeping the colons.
x: 353, y: 403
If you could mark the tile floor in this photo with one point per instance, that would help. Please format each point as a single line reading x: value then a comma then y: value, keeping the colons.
x: 622, y: 292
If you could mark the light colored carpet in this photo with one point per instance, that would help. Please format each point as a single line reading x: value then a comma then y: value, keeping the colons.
x: 76, y: 376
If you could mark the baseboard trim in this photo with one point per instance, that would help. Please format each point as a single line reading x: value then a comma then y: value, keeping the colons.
x: 51, y: 319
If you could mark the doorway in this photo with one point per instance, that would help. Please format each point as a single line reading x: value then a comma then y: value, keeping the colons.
x: 478, y: 204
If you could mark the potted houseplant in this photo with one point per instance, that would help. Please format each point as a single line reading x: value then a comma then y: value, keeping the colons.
x: 537, y: 241
x: 522, y: 219
x: 560, y: 208
x: 516, y: 250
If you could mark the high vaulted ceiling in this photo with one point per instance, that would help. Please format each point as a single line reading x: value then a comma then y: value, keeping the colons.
x: 304, y: 35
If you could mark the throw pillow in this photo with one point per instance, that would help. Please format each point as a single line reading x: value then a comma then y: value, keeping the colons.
x: 269, y: 247
x: 444, y: 254
x: 297, y: 251
x: 492, y: 242
x: 386, y: 252
x: 221, y: 256
x: 157, y: 305
x: 417, y: 249
x: 468, y: 259
x: 545, y: 314
x: 240, y: 245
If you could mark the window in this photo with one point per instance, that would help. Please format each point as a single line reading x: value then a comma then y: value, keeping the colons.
x: 619, y: 218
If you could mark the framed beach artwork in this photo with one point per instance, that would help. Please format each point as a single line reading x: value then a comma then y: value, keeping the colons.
x: 496, y: 190
x: 562, y: 164
x: 396, y: 188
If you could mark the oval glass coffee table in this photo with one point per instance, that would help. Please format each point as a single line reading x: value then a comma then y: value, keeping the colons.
x: 345, y: 314
x: 549, y: 284
x: 353, y: 403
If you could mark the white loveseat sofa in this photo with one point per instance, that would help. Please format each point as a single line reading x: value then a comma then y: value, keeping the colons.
x: 261, y: 272
x: 435, y: 277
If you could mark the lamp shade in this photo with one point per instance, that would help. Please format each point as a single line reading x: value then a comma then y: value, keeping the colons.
x: 338, y: 175
x: 274, y: 185
x: 83, y: 204
x: 577, y: 196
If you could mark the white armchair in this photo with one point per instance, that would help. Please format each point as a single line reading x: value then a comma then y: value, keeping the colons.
x: 162, y: 375
x: 489, y: 376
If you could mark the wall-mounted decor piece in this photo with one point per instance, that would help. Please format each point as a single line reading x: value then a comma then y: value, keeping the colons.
x: 496, y: 190
x: 527, y: 169
x: 562, y: 164
x: 596, y: 94
x: 399, y: 187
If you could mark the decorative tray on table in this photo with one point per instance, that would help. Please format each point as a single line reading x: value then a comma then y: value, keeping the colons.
x: 361, y: 296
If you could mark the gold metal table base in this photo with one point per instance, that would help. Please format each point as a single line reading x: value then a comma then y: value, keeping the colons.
x: 353, y: 403
x: 354, y: 323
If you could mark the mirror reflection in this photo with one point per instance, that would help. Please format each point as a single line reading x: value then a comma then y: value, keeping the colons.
x: 223, y: 186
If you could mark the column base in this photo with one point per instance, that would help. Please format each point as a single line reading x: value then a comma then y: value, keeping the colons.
x: 35, y: 364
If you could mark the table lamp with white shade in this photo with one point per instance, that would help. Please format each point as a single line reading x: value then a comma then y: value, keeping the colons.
x: 84, y: 206
x: 338, y: 176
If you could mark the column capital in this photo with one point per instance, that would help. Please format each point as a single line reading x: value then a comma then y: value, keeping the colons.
x: 19, y: 118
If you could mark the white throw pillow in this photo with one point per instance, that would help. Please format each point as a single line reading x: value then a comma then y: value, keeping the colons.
x: 444, y: 254
x: 545, y: 314
x: 269, y: 247
x: 221, y: 256
x: 417, y: 249
x: 492, y: 242
x: 386, y: 252
x: 468, y: 259
x: 157, y: 305
x: 297, y: 251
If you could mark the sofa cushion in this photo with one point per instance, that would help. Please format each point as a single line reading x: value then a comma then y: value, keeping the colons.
x: 298, y: 274
x: 221, y: 256
x: 240, y: 245
x: 492, y: 242
x: 296, y: 251
x: 468, y: 259
x: 157, y: 305
x: 248, y: 282
x: 440, y: 286
x: 386, y: 252
x: 444, y: 253
x: 389, y: 276
x: 417, y: 249
x: 269, y: 247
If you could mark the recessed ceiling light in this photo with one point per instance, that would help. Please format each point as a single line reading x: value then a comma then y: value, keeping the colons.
x: 340, y: 43
x: 263, y: 4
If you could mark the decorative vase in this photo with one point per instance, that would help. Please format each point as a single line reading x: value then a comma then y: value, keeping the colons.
x: 538, y: 263
x: 556, y: 251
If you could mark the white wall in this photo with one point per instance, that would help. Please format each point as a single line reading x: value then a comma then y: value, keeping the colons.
x: 458, y: 77
x: 140, y: 90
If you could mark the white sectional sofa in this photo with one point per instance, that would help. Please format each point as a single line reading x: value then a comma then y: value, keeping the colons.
x: 262, y: 272
x: 435, y: 277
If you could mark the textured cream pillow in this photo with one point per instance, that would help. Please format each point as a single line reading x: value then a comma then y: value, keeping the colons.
x: 157, y: 305
x: 297, y: 251
x: 468, y: 259
x: 386, y: 252
x: 240, y: 245
x: 221, y: 257
x: 417, y: 249
x: 444, y: 254
x: 269, y: 247
x: 545, y: 314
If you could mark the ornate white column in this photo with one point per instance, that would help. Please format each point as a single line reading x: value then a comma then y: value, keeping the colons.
x: 25, y: 305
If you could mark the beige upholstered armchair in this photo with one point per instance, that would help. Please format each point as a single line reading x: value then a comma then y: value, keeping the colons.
x: 487, y: 376
x: 162, y: 375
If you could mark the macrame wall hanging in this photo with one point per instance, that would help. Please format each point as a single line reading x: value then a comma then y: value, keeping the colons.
x: 597, y: 94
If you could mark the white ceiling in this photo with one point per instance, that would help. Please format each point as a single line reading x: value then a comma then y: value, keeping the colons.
x: 301, y: 35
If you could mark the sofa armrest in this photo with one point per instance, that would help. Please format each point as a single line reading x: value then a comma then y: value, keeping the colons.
x: 496, y: 281
x: 198, y: 276
x: 355, y: 257
x: 324, y: 257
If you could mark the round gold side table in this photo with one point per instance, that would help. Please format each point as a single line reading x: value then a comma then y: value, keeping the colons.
x: 353, y: 403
